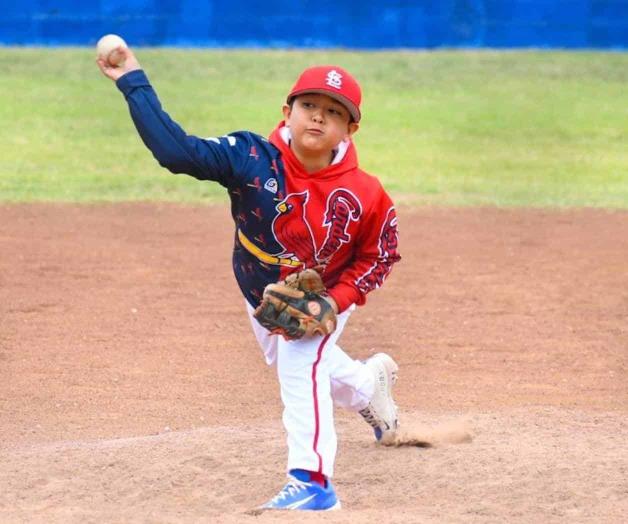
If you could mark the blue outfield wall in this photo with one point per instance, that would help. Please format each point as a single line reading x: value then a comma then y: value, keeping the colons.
x: 320, y: 23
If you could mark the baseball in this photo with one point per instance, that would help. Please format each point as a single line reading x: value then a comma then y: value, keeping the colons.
x: 106, y: 49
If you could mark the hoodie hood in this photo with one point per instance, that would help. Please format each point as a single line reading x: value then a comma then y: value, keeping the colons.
x: 341, y: 164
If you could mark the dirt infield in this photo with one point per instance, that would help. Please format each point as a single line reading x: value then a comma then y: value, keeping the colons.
x: 131, y: 388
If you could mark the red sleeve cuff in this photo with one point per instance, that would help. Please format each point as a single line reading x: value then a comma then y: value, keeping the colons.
x: 345, y: 295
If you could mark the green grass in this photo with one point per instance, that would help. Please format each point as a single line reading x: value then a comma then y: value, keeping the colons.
x: 444, y: 128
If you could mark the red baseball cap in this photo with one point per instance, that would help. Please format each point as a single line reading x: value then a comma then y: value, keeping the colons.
x: 332, y: 81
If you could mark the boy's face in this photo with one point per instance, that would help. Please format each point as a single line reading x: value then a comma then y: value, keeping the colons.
x: 318, y: 123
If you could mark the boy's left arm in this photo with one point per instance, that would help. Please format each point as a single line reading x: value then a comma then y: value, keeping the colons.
x: 376, y: 252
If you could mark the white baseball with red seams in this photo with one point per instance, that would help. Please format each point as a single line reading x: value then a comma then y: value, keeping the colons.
x: 106, y: 49
x: 333, y: 378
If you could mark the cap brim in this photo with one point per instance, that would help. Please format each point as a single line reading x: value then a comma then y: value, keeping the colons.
x: 351, y: 107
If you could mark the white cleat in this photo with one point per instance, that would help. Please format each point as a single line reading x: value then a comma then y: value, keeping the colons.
x: 381, y: 413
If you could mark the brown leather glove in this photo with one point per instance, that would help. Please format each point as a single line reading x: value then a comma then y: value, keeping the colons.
x: 296, y: 307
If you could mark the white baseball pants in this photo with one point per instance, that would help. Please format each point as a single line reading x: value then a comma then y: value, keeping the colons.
x: 314, y: 374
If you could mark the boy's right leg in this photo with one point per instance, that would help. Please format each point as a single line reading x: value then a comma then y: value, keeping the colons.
x: 304, y: 381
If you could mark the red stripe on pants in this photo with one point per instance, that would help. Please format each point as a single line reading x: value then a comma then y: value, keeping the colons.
x: 314, y: 392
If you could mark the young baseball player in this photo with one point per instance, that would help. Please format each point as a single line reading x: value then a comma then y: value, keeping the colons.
x: 298, y: 200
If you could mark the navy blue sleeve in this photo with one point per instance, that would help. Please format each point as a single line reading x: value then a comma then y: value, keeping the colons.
x: 221, y: 159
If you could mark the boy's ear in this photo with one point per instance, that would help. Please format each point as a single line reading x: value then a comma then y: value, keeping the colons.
x: 286, y: 112
x: 353, y: 128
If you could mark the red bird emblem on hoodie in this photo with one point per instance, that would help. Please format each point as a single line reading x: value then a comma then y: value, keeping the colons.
x: 292, y: 230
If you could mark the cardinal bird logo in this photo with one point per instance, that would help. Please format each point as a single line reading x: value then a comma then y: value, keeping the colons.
x: 292, y: 231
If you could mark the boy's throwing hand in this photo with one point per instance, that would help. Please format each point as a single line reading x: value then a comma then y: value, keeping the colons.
x: 129, y: 63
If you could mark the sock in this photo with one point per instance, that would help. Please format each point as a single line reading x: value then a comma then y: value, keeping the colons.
x: 305, y: 475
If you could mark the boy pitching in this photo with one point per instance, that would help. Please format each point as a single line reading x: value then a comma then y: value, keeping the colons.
x: 298, y: 201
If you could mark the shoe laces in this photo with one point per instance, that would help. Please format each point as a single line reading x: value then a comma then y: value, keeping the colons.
x: 293, y: 486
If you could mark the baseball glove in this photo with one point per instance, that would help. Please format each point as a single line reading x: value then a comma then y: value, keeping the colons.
x: 296, y: 308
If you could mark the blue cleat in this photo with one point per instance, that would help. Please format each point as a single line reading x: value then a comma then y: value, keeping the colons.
x: 298, y: 494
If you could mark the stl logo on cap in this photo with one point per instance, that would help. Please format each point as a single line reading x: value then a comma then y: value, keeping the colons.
x: 334, y: 79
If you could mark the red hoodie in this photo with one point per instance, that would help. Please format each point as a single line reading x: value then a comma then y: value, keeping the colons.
x: 351, y: 221
x: 339, y: 217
